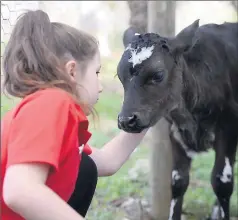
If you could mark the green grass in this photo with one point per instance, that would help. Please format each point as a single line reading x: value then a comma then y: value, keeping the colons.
x: 109, y: 105
x: 7, y: 104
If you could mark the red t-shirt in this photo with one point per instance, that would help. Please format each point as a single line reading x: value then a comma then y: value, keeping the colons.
x: 48, y: 127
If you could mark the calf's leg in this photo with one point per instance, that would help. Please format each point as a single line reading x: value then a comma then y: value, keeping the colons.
x: 180, y: 181
x: 222, y: 178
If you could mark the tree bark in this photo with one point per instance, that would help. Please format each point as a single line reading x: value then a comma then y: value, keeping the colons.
x: 161, y: 17
x: 138, y: 17
x: 161, y: 170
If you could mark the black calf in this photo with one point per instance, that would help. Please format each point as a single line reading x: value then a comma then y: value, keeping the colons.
x: 192, y: 81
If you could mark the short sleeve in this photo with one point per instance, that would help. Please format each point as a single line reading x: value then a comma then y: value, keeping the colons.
x: 87, y: 149
x: 38, y: 129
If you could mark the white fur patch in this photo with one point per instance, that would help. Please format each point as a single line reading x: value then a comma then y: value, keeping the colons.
x: 179, y: 139
x: 175, y: 176
x: 227, y: 172
x: 139, y: 57
x: 136, y: 34
x: 222, y: 213
x: 171, y: 211
x: 216, y: 212
x: 212, y: 136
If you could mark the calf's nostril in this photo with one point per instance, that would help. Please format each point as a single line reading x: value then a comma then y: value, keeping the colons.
x: 132, y: 121
x: 127, y: 122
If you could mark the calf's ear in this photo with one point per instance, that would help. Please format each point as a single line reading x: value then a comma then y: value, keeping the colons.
x: 184, y: 39
x: 129, y: 35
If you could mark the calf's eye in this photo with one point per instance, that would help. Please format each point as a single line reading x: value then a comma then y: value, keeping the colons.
x: 157, y: 77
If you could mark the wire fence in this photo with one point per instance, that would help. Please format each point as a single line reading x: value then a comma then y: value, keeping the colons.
x: 10, y: 11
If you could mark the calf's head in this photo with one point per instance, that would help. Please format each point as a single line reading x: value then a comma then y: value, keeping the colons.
x: 151, y: 74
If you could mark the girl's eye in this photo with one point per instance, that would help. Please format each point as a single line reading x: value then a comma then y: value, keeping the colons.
x: 157, y: 77
x: 97, y: 72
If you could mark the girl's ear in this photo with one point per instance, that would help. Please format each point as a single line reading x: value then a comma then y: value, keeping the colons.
x: 70, y: 67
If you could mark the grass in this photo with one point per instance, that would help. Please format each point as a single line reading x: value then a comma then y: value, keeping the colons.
x: 199, y: 197
x: 7, y: 103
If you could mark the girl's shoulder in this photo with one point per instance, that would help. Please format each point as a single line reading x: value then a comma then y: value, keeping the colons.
x: 48, y: 101
x: 55, y: 94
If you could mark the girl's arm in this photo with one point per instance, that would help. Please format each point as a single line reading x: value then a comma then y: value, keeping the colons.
x: 25, y: 192
x: 115, y: 153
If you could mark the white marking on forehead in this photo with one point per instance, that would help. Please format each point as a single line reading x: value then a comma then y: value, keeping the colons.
x: 227, y: 172
x: 139, y: 57
x: 179, y: 139
x: 171, y: 211
x: 136, y: 34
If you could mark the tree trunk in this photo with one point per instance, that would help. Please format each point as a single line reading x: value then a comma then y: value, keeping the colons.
x: 138, y: 17
x: 161, y: 20
x: 161, y: 170
x: 161, y: 17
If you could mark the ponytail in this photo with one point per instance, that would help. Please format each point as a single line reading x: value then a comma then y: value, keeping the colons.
x: 36, y: 52
x: 30, y: 60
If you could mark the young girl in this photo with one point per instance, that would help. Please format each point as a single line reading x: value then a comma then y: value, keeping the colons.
x: 48, y: 170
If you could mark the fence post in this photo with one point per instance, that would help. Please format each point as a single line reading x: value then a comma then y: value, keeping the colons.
x: 161, y: 20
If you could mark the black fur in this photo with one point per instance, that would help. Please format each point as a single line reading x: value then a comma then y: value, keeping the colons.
x: 198, y: 96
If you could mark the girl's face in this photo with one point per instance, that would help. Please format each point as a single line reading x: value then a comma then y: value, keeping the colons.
x: 88, y: 81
